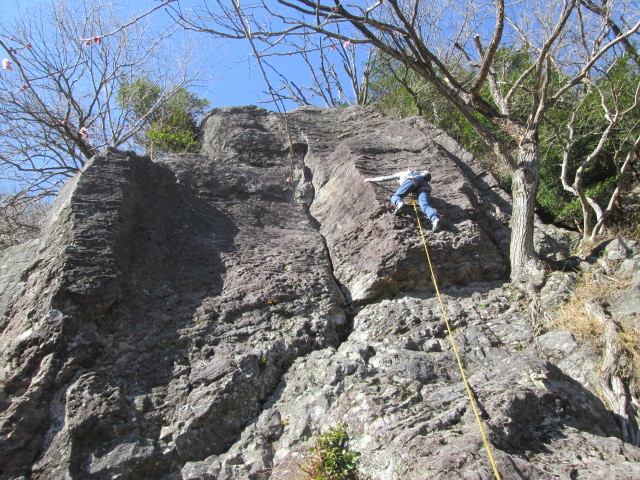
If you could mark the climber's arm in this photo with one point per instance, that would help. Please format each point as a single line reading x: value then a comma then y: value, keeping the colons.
x: 395, y: 176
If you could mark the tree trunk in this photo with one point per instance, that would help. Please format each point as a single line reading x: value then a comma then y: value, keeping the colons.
x: 525, y: 264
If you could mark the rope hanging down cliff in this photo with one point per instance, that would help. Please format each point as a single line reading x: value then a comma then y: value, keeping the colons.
x: 276, y: 99
x: 487, y: 445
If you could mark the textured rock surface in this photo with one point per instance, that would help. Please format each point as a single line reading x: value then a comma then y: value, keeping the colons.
x: 204, y: 318
x: 369, y: 248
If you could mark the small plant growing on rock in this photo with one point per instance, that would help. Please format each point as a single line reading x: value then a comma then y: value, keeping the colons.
x: 331, y: 459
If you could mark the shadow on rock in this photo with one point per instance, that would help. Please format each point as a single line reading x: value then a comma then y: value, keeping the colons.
x: 537, y: 418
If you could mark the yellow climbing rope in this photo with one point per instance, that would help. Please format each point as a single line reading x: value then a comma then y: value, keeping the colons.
x: 455, y: 348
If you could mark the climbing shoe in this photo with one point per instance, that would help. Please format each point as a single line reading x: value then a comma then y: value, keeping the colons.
x: 399, y: 207
x: 434, y: 225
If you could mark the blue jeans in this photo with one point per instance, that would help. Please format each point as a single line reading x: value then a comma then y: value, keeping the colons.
x: 424, y: 198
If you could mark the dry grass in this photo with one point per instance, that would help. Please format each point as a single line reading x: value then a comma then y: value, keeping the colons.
x: 629, y: 227
x: 573, y: 317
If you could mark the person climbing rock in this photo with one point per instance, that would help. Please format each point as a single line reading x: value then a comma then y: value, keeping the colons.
x: 412, y: 182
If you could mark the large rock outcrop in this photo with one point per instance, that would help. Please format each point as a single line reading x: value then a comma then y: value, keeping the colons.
x: 203, y: 317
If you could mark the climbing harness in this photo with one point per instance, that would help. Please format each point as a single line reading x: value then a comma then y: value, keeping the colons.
x: 455, y: 348
x: 416, y: 184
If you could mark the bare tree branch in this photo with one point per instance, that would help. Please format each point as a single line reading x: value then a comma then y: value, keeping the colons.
x: 489, y: 53
x: 605, y: 12
x: 60, y: 96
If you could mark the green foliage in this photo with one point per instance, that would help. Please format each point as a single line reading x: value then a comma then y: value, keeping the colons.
x: 332, y: 459
x: 139, y: 96
x: 175, y: 133
x: 172, y: 120
x: 389, y: 94
x: 616, y: 84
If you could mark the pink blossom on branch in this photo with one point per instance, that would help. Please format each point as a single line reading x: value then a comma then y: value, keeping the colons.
x: 347, y: 44
x: 84, y: 132
x: 6, y: 64
x: 89, y: 41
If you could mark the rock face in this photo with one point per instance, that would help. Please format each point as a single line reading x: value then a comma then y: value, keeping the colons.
x: 204, y: 317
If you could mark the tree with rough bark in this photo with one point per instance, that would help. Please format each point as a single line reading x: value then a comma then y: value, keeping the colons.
x: 427, y: 37
x: 61, y: 74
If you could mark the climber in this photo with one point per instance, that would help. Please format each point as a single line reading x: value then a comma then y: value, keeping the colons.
x: 412, y: 181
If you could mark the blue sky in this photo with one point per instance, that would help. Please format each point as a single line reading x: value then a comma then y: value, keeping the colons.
x: 234, y: 79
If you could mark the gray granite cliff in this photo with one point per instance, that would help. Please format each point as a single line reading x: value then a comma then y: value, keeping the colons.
x: 203, y: 317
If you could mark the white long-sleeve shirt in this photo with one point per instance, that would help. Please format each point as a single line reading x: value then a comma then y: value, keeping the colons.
x: 401, y: 176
